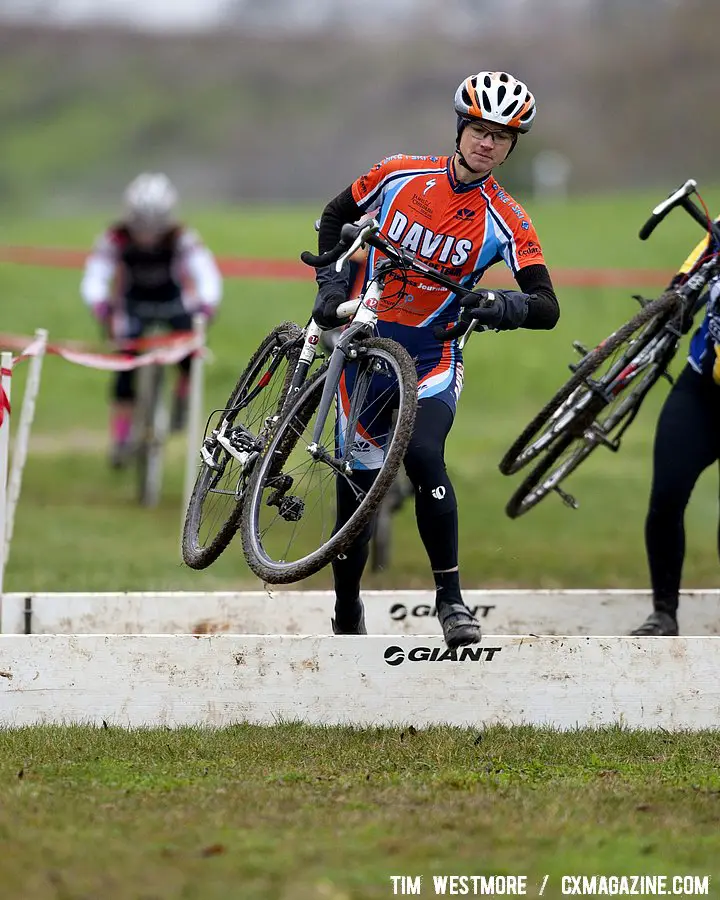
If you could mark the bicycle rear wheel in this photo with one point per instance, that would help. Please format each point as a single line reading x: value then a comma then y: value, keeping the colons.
x: 231, y: 448
x: 288, y: 519
x: 560, y: 414
x: 601, y: 413
x: 153, y: 423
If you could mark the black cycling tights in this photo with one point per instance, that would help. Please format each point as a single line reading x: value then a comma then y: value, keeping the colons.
x: 687, y: 442
x: 435, y: 506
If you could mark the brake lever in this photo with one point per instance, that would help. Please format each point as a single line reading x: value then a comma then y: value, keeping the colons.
x: 371, y: 228
x: 462, y: 340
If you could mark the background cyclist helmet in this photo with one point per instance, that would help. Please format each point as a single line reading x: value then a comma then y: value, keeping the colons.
x: 495, y: 97
x: 150, y: 202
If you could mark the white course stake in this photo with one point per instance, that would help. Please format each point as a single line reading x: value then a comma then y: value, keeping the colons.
x: 6, y: 364
x: 22, y: 438
x: 194, y: 421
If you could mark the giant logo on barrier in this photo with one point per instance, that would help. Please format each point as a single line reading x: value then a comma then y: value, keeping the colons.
x: 395, y: 656
x: 398, y: 611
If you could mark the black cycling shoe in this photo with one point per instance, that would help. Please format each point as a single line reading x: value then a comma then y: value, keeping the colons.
x: 657, y: 624
x: 459, y: 626
x: 358, y: 629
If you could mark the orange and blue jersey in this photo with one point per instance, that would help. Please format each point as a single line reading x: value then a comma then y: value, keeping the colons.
x: 459, y: 229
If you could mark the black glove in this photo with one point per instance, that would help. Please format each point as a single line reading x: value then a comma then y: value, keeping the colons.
x: 333, y: 289
x: 325, y: 308
x: 498, y: 310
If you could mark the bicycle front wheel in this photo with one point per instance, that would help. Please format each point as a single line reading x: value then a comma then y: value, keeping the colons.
x: 231, y: 448
x: 567, y: 407
x: 289, y: 516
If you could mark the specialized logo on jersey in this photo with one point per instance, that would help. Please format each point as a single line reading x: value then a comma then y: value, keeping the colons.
x: 419, y: 239
x: 430, y: 183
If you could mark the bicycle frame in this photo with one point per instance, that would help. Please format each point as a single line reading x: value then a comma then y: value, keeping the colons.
x: 364, y: 309
x: 363, y: 312
x: 664, y: 345
x: 590, y: 414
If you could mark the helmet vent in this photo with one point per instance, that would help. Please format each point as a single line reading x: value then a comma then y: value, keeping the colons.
x: 486, y: 102
x: 504, y: 77
x: 511, y: 107
x: 502, y: 90
x: 487, y: 82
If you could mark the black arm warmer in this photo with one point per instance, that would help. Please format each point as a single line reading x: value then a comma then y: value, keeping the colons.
x: 338, y: 212
x: 543, y: 307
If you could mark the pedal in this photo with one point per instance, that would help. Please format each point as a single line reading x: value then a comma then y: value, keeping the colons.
x: 280, y: 486
x: 566, y: 498
x: 291, y: 509
x: 242, y: 440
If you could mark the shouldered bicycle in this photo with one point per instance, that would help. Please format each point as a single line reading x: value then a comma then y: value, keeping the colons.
x: 597, y: 405
x: 269, y: 463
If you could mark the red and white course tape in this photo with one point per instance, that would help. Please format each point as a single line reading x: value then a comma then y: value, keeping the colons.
x: 165, y: 351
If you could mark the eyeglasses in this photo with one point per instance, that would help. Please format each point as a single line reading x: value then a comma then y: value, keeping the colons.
x: 498, y: 135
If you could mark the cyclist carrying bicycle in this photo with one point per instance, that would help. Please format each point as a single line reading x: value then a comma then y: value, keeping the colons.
x: 145, y: 269
x: 451, y: 212
x: 687, y: 441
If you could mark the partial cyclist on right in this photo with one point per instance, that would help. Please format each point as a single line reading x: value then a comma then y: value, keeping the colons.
x: 687, y: 441
x: 600, y: 401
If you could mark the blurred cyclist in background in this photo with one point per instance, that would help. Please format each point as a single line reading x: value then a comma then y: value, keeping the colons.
x: 148, y: 268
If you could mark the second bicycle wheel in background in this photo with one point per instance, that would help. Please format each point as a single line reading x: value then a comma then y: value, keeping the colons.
x: 232, y: 446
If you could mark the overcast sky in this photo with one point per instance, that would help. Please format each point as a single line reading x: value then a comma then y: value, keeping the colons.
x: 180, y: 13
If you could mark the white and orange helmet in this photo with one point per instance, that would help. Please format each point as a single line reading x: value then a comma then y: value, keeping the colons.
x: 495, y: 97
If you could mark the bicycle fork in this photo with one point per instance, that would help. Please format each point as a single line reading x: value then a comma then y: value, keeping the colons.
x: 345, y: 349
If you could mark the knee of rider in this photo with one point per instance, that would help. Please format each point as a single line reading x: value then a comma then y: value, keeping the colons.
x: 671, y: 492
x: 424, y: 464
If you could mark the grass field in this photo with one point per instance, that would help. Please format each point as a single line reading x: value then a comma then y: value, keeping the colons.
x: 296, y: 813
x: 78, y: 527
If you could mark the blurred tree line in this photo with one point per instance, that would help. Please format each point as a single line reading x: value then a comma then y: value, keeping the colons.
x: 626, y: 91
